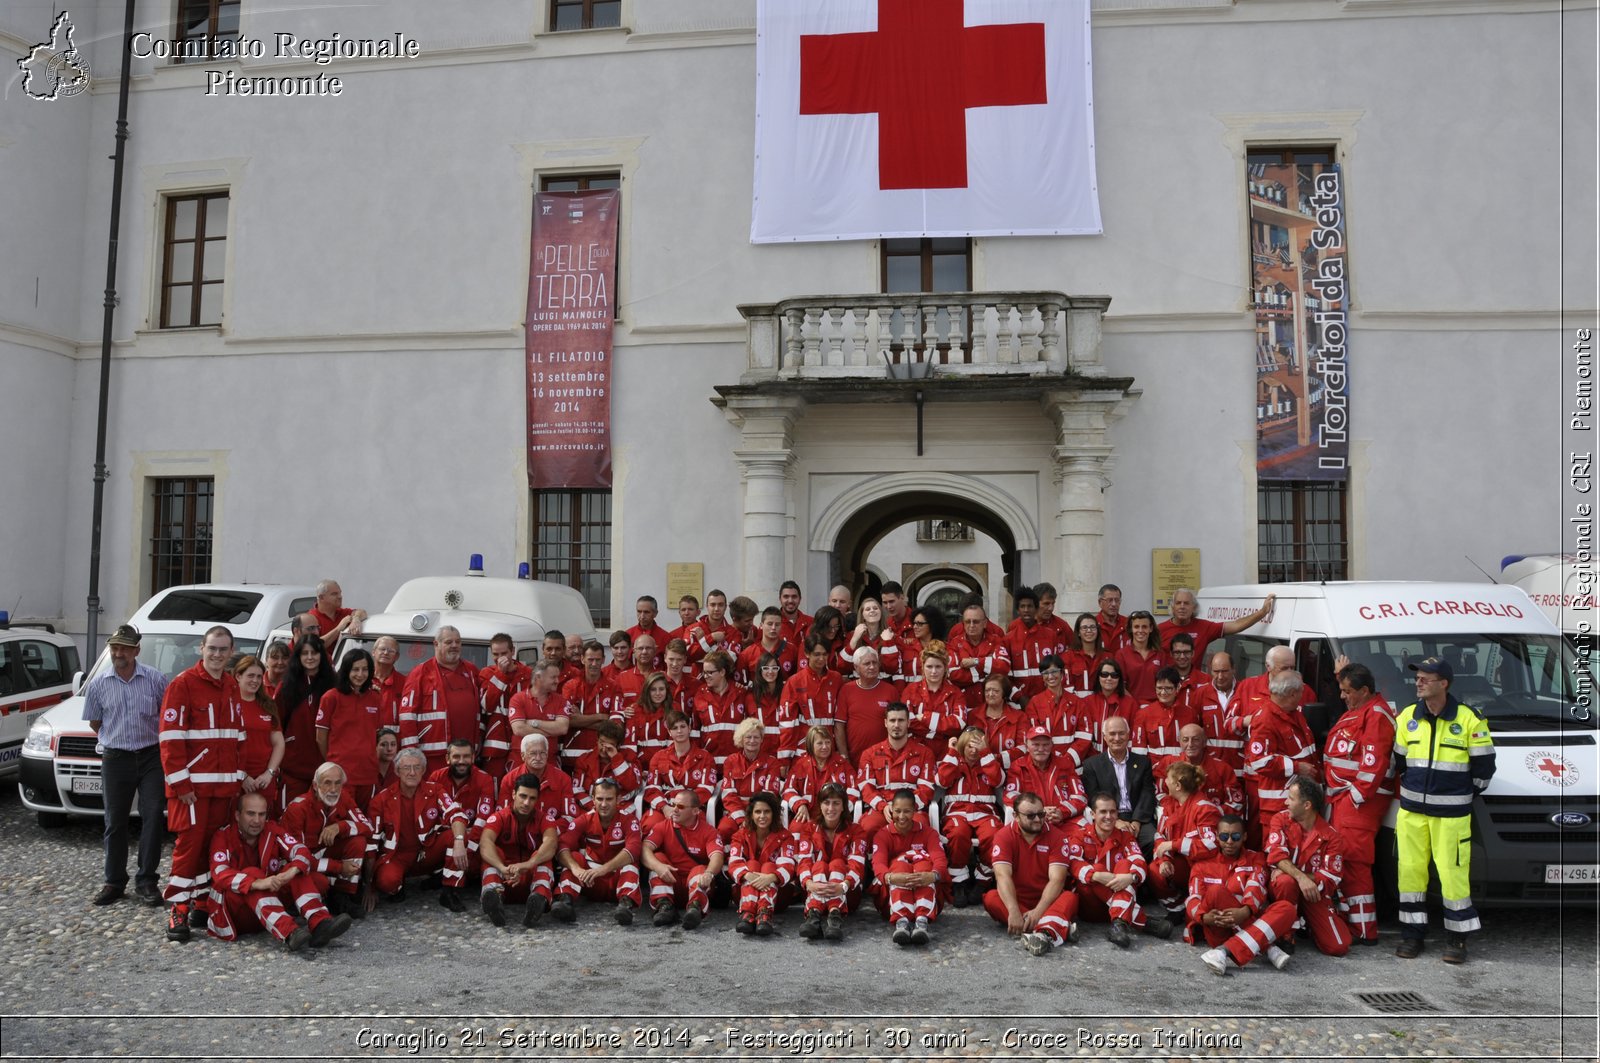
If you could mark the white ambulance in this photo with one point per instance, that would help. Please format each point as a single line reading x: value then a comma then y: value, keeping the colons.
x: 478, y: 606
x: 1535, y: 832
x: 1563, y: 585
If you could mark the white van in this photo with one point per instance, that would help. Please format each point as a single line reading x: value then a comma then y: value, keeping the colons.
x: 479, y: 607
x: 37, y: 669
x: 1535, y: 832
x: 60, y: 767
x: 1563, y: 585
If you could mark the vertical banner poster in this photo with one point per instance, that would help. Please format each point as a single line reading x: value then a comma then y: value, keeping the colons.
x: 1298, y: 276
x: 571, y: 319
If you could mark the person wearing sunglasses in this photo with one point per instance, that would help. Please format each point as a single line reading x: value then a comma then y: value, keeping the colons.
x: 1228, y: 904
x: 1032, y: 897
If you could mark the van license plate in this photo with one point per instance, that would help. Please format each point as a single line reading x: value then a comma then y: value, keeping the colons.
x: 86, y: 785
x: 1563, y: 873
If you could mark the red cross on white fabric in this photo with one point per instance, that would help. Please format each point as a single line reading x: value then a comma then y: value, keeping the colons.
x: 919, y: 72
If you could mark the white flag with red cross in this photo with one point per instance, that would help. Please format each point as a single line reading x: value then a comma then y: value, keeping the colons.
x: 891, y: 118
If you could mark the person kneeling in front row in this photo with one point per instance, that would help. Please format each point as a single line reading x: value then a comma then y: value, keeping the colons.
x: 257, y: 869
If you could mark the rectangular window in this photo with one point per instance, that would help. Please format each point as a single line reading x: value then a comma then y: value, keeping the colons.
x: 927, y: 264
x: 203, y: 26
x: 195, y: 249
x: 572, y: 545
x: 585, y: 14
x: 1301, y: 531
x: 180, y: 535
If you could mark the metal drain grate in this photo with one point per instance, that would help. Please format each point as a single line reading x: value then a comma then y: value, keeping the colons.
x: 1391, y: 1002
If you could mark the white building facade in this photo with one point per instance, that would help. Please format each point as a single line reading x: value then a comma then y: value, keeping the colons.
x: 346, y: 395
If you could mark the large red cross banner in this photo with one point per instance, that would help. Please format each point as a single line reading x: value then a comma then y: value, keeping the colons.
x: 893, y: 118
x: 571, y: 318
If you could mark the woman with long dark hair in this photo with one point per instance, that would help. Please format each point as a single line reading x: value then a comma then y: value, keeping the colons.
x: 761, y: 864
x: 263, y: 733
x: 309, y: 677
x: 348, y: 718
x: 831, y: 862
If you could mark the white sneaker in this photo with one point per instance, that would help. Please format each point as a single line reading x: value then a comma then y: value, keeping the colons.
x: 1072, y: 933
x: 1037, y: 944
x: 1217, y: 960
x: 1277, y: 957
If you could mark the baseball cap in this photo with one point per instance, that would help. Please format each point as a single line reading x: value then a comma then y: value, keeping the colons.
x: 1434, y: 666
x: 1038, y: 732
x: 126, y: 635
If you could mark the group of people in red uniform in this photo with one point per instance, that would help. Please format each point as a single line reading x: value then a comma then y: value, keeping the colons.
x: 1054, y: 773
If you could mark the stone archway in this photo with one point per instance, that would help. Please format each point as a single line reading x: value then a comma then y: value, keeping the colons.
x: 859, y: 517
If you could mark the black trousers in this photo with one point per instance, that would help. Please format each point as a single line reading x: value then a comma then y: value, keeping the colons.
x: 127, y: 774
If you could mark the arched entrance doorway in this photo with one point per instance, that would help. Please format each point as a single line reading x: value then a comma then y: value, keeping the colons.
x: 858, y: 520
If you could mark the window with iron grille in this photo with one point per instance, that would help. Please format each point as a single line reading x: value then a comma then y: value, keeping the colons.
x: 206, y: 29
x: 944, y: 531
x: 180, y: 533
x: 1301, y: 531
x: 585, y: 14
x: 195, y: 252
x: 572, y: 545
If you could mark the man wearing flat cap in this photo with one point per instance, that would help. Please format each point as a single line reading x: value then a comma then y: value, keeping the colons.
x: 1443, y: 757
x: 123, y: 707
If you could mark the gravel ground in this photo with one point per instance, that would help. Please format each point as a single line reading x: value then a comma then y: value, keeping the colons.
x: 415, y: 981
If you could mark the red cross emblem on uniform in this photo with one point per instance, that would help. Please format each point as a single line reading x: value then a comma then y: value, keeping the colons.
x: 919, y: 72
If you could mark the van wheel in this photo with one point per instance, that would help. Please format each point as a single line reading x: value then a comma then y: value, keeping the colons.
x: 52, y: 820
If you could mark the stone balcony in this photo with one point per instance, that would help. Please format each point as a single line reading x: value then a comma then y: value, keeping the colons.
x: 925, y: 335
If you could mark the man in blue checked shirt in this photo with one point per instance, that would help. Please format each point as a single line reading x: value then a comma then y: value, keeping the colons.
x: 123, y: 706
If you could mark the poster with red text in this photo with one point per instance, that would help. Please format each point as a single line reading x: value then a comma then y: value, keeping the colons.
x: 571, y: 316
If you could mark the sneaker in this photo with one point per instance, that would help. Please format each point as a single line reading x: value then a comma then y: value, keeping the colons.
x: 745, y: 925
x: 1410, y: 948
x: 1073, y: 933
x: 1117, y: 934
x: 494, y: 906
x: 564, y: 911
x: 109, y: 894
x: 149, y: 893
x: 1277, y: 957
x: 902, y: 932
x: 1037, y: 944
x: 1217, y: 960
x: 297, y: 940
x: 178, y: 922
x: 534, y: 910
x: 1456, y: 950
x: 329, y: 929
x: 919, y: 932
x: 811, y: 929
x: 665, y: 915
x: 1157, y: 926
x: 624, y: 914
x: 834, y: 931
x: 451, y: 900
x: 692, y: 916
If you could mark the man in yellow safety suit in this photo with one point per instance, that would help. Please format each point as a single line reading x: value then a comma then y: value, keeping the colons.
x: 1443, y: 757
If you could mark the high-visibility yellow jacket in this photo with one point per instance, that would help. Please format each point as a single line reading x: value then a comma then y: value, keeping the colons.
x: 1442, y: 761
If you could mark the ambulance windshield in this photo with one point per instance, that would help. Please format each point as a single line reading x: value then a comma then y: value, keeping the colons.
x: 1520, y: 682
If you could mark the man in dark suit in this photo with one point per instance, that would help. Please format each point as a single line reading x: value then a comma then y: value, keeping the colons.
x: 1128, y: 775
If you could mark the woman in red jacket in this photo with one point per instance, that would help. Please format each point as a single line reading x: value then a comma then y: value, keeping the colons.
x: 937, y: 706
x: 781, y: 729
x: 1186, y: 833
x: 818, y: 764
x: 909, y: 869
x: 1082, y: 662
x: 830, y: 862
x: 1111, y: 698
x: 746, y: 772
x: 872, y: 631
x: 971, y: 775
x: 263, y: 734
x: 1142, y: 657
x: 761, y: 858
x: 309, y: 677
